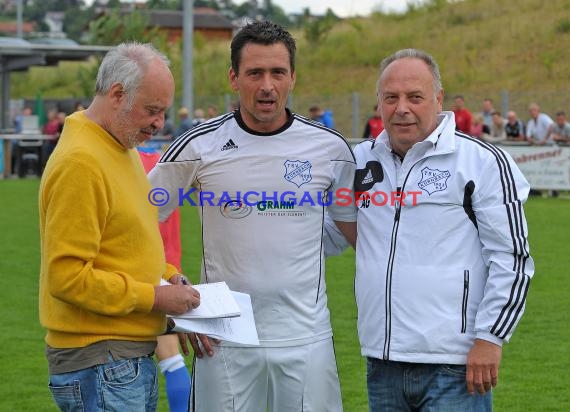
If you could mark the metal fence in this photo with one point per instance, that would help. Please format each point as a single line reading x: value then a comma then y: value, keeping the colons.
x: 351, y: 110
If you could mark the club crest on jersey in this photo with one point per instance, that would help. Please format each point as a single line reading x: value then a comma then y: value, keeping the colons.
x: 298, y: 172
x: 433, y: 180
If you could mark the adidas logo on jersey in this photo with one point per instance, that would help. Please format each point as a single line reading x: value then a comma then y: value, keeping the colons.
x: 368, y: 178
x: 229, y: 145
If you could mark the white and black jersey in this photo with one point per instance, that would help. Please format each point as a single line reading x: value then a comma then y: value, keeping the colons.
x: 262, y: 200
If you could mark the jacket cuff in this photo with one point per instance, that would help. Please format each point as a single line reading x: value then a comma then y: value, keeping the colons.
x: 489, y: 337
x: 170, y: 271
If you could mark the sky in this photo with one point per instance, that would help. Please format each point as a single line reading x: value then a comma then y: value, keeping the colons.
x: 342, y: 8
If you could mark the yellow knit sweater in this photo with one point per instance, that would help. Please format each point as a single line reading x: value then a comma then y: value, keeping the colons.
x: 101, y: 250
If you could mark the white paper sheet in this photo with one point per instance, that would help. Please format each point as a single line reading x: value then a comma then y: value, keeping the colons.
x: 216, y: 301
x: 240, y: 329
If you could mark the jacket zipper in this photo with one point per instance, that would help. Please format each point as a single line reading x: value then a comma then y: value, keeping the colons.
x: 388, y: 325
x: 464, y: 301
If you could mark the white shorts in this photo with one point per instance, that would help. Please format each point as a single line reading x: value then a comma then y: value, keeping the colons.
x: 276, y: 379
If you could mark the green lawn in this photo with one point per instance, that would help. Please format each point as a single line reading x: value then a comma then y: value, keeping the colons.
x: 534, y: 366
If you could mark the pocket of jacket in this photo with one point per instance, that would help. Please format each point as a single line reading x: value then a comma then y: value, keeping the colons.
x: 464, y: 301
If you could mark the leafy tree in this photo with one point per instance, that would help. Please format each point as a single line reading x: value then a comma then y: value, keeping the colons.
x: 76, y: 21
x: 276, y: 13
x: 316, y: 29
x: 35, y: 11
x: 113, y: 28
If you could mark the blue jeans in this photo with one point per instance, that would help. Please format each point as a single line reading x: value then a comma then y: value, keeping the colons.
x: 122, y: 385
x: 400, y: 386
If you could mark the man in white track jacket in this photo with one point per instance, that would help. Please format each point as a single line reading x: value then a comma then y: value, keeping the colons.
x: 442, y: 257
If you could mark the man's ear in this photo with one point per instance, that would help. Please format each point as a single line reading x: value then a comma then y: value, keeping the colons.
x: 233, y: 79
x: 439, y: 97
x: 116, y: 94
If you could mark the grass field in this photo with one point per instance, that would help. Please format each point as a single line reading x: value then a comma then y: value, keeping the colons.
x: 534, y: 367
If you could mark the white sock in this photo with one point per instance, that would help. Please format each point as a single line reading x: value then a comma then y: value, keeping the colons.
x: 172, y: 363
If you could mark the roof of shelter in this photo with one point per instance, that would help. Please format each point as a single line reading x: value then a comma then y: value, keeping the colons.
x: 19, y: 55
x: 203, y: 19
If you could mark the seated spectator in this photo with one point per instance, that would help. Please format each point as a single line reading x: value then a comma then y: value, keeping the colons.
x: 514, y: 128
x: 478, y: 127
x: 498, y: 133
x: 198, y: 117
x: 374, y: 125
x: 538, y: 127
x: 185, y: 122
x: 53, y: 128
x: 212, y: 111
x: 487, y: 110
x: 168, y: 130
x: 560, y: 130
x: 322, y: 116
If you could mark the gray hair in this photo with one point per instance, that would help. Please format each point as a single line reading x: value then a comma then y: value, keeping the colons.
x: 126, y: 64
x: 414, y: 54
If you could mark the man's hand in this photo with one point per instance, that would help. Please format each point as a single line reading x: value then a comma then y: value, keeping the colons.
x: 483, y: 366
x: 348, y: 229
x: 175, y: 299
x: 193, y: 338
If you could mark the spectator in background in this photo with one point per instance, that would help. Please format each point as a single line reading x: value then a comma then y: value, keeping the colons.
x: 322, y: 116
x: 18, y: 128
x: 487, y: 110
x: 538, y: 127
x: 53, y: 128
x: 463, y: 118
x: 374, y: 125
x: 168, y: 130
x: 19, y: 119
x: 514, y: 128
x: 185, y: 122
x: 212, y: 111
x: 78, y: 107
x: 560, y: 130
x: 478, y: 128
x: 498, y: 133
x: 198, y: 117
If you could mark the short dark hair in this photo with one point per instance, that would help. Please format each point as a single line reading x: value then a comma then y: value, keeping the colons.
x: 265, y: 33
x: 560, y: 113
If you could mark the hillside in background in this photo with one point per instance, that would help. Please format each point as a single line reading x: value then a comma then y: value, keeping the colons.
x: 514, y: 52
x: 482, y: 46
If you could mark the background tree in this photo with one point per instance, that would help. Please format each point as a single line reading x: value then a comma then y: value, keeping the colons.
x: 35, y: 11
x: 275, y: 13
x: 315, y: 28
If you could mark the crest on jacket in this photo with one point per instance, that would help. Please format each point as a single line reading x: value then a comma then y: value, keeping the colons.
x: 298, y: 172
x: 433, y: 180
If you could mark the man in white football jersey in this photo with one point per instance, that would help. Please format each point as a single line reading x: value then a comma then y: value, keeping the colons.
x: 264, y: 178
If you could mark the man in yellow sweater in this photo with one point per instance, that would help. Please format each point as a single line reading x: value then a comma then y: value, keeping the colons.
x: 102, y: 257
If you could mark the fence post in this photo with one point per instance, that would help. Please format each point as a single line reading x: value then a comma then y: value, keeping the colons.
x: 504, y: 102
x: 355, y: 114
x: 290, y: 102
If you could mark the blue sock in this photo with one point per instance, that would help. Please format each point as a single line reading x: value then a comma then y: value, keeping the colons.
x: 178, y: 389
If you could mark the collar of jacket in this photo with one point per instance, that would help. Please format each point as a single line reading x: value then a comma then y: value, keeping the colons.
x: 441, y: 140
